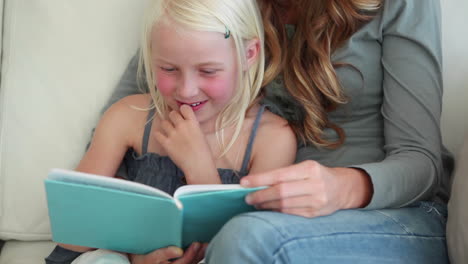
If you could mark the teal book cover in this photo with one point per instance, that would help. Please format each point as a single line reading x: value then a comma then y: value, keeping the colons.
x: 109, y: 213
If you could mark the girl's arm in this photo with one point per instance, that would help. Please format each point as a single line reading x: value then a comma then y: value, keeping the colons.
x: 113, y: 136
x: 129, y: 84
x: 110, y: 142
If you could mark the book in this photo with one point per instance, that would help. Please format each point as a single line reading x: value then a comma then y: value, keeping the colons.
x: 120, y: 215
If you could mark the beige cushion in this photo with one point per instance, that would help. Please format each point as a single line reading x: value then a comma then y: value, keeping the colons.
x: 455, y: 123
x: 455, y: 51
x: 457, y: 224
x: 19, y: 252
x: 61, y: 61
x: 1, y: 26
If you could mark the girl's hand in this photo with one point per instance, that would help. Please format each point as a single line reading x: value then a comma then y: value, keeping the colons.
x: 187, y: 147
x: 309, y: 189
x: 194, y: 254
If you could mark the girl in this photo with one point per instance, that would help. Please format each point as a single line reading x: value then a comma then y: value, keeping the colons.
x: 204, y: 60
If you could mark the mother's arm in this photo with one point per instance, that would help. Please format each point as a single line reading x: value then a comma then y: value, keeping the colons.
x: 411, y: 108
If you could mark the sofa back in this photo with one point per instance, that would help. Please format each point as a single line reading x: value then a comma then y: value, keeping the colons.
x: 455, y: 51
x: 62, y: 59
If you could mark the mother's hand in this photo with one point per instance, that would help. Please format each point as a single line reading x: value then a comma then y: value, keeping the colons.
x: 309, y: 189
x: 192, y: 255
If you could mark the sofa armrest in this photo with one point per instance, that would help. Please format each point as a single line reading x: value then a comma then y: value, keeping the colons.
x: 457, y: 230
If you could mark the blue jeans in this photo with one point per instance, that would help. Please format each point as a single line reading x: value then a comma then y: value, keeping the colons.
x: 413, y: 234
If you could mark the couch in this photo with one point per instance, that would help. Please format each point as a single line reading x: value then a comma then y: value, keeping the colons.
x: 60, y: 61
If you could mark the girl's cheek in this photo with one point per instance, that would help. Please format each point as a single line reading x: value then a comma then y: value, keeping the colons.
x: 219, y: 88
x: 165, y: 84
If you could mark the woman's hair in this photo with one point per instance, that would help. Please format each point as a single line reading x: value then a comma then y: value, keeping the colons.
x: 240, y: 21
x: 305, y: 60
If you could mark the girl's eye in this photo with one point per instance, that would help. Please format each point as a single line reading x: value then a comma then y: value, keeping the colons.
x: 168, y: 69
x: 208, y: 72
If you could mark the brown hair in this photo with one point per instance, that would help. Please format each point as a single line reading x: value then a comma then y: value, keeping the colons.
x: 305, y: 61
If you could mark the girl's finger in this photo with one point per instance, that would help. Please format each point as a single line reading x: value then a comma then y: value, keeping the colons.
x: 175, y: 117
x: 187, y: 112
x: 201, y: 253
x: 164, y: 254
x: 189, y: 254
x: 166, y: 127
x: 161, y: 138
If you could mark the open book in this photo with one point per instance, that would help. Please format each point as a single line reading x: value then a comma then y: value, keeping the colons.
x: 109, y: 213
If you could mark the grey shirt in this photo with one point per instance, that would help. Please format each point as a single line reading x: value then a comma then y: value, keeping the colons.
x: 392, y: 120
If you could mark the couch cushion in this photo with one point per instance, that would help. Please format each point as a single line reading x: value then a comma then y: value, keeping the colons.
x: 454, y: 121
x: 1, y: 27
x: 19, y: 252
x: 61, y: 61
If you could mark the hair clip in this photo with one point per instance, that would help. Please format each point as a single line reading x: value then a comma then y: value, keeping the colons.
x: 227, y: 34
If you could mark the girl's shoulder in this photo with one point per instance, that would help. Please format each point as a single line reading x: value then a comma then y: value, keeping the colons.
x: 271, y: 127
x: 136, y: 101
x: 127, y: 116
x: 130, y: 107
x: 268, y: 120
x: 275, y: 143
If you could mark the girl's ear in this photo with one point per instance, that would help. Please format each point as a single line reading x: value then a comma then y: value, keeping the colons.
x: 252, y: 51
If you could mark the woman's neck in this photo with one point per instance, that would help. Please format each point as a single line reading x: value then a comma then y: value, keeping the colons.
x: 290, y: 16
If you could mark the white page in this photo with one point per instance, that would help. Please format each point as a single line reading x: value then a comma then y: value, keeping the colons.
x: 199, y: 188
x: 103, y: 181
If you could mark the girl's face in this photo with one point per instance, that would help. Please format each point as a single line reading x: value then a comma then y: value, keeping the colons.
x: 194, y: 68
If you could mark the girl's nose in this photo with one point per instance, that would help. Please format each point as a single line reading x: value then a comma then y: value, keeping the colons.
x: 187, y: 87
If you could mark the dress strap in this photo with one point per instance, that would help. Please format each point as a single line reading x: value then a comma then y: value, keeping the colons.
x: 146, y: 134
x: 248, y: 150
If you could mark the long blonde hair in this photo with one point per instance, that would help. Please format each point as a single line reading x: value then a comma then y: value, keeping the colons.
x: 242, y: 20
x: 305, y: 61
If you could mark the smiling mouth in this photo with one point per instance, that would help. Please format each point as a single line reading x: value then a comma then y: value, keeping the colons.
x: 195, y: 106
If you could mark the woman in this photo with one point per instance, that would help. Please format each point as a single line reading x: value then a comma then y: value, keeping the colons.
x: 360, y: 82
x: 368, y: 77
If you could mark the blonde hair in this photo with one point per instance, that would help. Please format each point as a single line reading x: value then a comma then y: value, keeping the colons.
x: 242, y: 19
x: 305, y: 60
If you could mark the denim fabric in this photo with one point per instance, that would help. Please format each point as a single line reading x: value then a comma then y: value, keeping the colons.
x: 408, y: 235
x: 61, y: 255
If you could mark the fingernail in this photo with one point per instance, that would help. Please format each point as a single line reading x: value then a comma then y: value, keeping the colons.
x: 177, y: 251
x: 248, y: 199
x: 245, y: 183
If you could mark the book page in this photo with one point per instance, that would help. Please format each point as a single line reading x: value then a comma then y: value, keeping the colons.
x: 199, y: 188
x: 105, y: 182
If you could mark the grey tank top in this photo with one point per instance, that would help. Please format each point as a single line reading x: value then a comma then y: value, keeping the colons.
x: 161, y: 172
